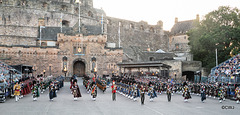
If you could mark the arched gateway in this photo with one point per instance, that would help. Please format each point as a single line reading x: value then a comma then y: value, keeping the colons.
x: 79, y: 68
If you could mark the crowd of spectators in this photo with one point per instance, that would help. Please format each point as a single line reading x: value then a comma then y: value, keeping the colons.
x: 228, y: 68
x: 5, y: 73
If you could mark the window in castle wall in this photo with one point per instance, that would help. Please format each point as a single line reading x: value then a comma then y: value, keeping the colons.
x: 120, y: 24
x: 142, y: 28
x: 76, y: 11
x: 23, y: 2
x: 44, y: 5
x: 9, y: 18
x: 1, y: 1
x: 109, y: 22
x: 152, y: 29
x: 43, y: 44
x: 65, y: 23
x: 151, y: 58
x: 131, y: 26
x: 90, y: 14
x: 177, y: 46
x: 63, y: 8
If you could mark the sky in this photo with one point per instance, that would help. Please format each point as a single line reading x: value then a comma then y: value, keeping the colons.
x: 152, y: 11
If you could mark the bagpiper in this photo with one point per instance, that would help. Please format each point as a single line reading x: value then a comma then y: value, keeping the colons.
x: 237, y: 92
x: 42, y: 84
x: 52, y: 91
x: 35, y: 91
x: 142, y: 91
x: 135, y: 92
x: 114, y: 88
x: 94, y: 91
x: 75, y: 91
x: 151, y: 92
x: 169, y: 91
x: 203, y: 93
x: 220, y: 94
x: 186, y: 93
x: 17, y: 88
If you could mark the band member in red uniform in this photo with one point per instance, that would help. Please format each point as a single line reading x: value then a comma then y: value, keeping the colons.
x: 113, y: 91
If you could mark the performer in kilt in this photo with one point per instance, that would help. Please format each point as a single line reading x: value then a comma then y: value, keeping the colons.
x: 42, y: 85
x: 220, y: 94
x: 135, y: 92
x: 203, y: 93
x: 94, y: 91
x: 35, y: 91
x: 17, y: 88
x: 169, y: 91
x: 113, y: 91
x: 52, y: 91
x: 142, y: 90
x: 237, y: 92
x: 151, y: 92
x: 75, y: 91
x: 186, y: 93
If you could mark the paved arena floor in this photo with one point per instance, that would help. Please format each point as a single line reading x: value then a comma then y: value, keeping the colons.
x: 65, y: 105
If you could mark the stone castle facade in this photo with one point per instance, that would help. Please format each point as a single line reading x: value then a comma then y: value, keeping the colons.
x: 102, y: 42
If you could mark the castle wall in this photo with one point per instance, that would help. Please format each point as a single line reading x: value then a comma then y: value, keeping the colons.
x: 19, y: 18
x: 42, y: 58
x: 136, y: 34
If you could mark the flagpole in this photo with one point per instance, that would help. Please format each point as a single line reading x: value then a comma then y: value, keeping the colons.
x: 61, y: 22
x: 119, y: 33
x: 79, y: 11
x: 216, y: 58
x: 102, y: 23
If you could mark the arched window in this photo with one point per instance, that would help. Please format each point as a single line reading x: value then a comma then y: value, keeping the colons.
x: 152, y: 29
x: 76, y: 11
x: 151, y: 58
x: 65, y: 23
x: 109, y: 21
x: 44, y: 5
x: 142, y: 28
x: 63, y: 8
x: 90, y: 14
x: 120, y: 24
x: 131, y: 26
x: 177, y: 46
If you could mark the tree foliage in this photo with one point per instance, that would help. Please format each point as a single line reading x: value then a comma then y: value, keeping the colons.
x: 220, y: 29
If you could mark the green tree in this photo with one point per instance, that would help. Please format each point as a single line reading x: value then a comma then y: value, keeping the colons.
x: 220, y: 29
